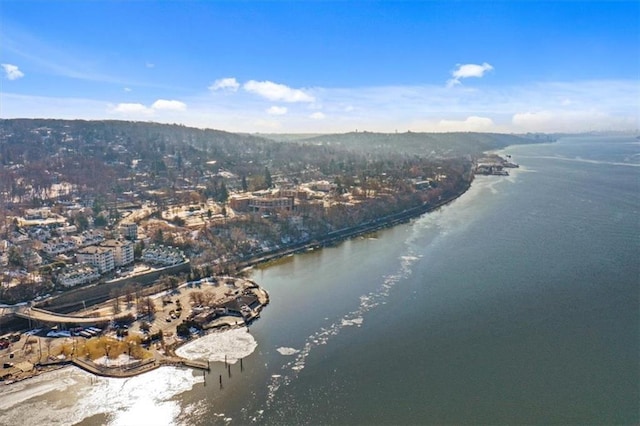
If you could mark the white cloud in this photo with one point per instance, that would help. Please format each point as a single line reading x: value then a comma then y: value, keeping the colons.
x: 12, y: 72
x: 470, y: 124
x: 229, y: 83
x: 127, y: 89
x: 267, y: 124
x: 138, y: 109
x: 169, y: 105
x: 570, y: 121
x: 318, y: 116
x: 131, y: 108
x: 593, y: 105
x: 277, y: 110
x: 468, y: 70
x: 150, y: 65
x: 277, y: 92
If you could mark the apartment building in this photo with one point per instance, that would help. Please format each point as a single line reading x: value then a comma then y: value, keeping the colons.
x: 100, y: 257
x: 122, y: 251
x: 78, y: 274
x: 162, y: 255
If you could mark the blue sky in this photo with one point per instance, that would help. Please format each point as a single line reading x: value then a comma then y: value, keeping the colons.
x: 326, y: 66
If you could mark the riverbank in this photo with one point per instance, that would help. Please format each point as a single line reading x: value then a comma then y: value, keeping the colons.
x: 210, y: 306
x: 165, y: 354
x: 337, y: 236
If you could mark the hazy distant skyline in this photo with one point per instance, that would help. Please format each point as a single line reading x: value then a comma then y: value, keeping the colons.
x: 330, y: 66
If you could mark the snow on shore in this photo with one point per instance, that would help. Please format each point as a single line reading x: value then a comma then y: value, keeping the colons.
x: 235, y: 344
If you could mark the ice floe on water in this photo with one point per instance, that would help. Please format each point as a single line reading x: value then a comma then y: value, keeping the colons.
x: 233, y: 344
x: 70, y: 395
x: 356, y: 321
x: 323, y: 335
x: 195, y: 410
x: 223, y: 417
x: 287, y: 351
x: 23, y: 391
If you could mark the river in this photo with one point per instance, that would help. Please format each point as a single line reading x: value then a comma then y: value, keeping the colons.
x: 516, y: 303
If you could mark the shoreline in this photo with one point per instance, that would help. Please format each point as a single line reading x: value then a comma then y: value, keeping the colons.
x: 344, y: 234
x: 169, y: 358
x: 160, y: 354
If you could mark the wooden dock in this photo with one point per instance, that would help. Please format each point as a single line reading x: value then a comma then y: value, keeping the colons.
x: 199, y: 365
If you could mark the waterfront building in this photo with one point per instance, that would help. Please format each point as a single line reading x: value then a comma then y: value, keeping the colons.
x: 122, y: 251
x: 78, y: 274
x: 262, y: 202
x: 56, y: 247
x: 270, y: 204
x: 162, y: 255
x: 88, y: 238
x: 100, y: 257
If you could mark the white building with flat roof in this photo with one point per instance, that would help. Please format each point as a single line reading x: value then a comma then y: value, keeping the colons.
x: 161, y: 255
x: 78, y: 274
x: 59, y: 246
x: 88, y: 238
x: 122, y: 251
x: 100, y: 257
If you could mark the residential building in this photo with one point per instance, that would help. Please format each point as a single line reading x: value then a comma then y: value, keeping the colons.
x: 162, y: 255
x: 31, y: 258
x: 88, y: 238
x: 240, y: 203
x: 129, y: 230
x: 67, y: 229
x: 37, y: 214
x: 100, y: 257
x: 122, y: 251
x: 323, y: 186
x: 269, y: 204
x: 57, y: 247
x: 78, y: 274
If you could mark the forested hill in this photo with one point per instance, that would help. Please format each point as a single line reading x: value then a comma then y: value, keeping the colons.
x: 31, y: 140
x: 37, y: 138
x: 113, y: 143
x: 424, y: 144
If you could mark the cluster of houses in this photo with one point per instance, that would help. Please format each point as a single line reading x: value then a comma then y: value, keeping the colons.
x: 43, y: 233
x: 95, y: 261
x: 159, y: 255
